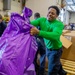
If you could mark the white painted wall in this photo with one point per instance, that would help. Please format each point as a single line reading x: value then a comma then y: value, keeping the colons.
x: 67, y: 17
x: 72, y: 17
x: 1, y: 7
x: 15, y: 6
x: 40, y: 6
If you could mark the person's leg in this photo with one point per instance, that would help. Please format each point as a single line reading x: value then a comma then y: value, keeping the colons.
x: 42, y: 61
x: 62, y: 71
x: 53, y: 61
x: 35, y: 62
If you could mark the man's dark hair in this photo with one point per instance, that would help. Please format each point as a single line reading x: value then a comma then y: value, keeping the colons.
x: 37, y: 15
x: 0, y: 16
x: 56, y: 8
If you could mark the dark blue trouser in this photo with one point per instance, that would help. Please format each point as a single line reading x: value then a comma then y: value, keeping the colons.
x: 54, y: 64
x: 42, y: 51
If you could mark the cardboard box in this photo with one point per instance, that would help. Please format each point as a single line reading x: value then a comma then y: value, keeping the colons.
x: 65, y: 42
x: 73, y: 31
x: 65, y: 31
x: 70, y: 34
x: 69, y: 52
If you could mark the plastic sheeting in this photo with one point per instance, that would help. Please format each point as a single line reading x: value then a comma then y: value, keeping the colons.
x: 17, y: 46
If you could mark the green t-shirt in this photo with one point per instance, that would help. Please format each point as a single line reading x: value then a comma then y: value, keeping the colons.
x: 50, y: 31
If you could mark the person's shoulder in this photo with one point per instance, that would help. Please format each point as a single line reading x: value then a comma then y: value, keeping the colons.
x: 39, y: 19
x: 3, y: 23
x: 59, y: 22
x: 43, y: 18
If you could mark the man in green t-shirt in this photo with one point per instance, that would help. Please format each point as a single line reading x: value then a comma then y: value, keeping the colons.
x: 51, y: 30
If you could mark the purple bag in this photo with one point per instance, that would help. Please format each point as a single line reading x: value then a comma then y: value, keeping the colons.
x: 17, y: 46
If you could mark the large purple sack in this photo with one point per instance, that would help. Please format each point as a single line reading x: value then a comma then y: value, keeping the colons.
x: 17, y: 46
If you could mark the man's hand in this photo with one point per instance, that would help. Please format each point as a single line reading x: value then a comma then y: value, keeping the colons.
x: 34, y: 31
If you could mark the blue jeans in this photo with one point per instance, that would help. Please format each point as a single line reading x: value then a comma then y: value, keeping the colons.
x: 54, y: 64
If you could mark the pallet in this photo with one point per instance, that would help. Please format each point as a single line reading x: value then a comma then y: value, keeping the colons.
x: 68, y: 66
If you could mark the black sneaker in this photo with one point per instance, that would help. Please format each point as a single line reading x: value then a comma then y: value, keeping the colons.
x: 63, y: 73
